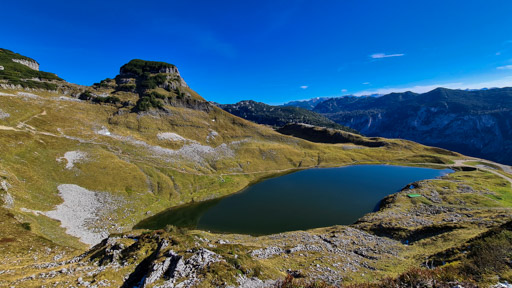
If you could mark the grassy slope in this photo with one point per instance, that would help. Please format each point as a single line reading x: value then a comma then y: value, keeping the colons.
x: 139, y: 175
x: 148, y: 182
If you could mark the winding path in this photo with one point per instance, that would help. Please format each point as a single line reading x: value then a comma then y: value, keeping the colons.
x: 505, y: 168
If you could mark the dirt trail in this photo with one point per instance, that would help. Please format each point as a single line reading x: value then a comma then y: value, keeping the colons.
x: 507, y: 169
x: 503, y: 167
x: 2, y: 127
x: 24, y: 124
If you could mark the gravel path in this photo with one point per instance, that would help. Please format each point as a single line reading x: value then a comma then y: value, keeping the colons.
x: 506, y: 168
x: 170, y: 136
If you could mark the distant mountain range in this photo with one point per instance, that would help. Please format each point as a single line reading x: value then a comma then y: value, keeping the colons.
x: 310, y: 104
x: 472, y: 122
x: 279, y: 116
x: 307, y: 104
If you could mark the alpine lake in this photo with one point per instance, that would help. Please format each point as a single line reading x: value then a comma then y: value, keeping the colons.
x: 306, y: 199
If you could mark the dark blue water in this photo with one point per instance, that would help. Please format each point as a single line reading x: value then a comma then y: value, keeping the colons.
x: 301, y: 200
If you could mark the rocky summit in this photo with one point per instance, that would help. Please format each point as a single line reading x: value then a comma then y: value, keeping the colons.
x: 81, y: 166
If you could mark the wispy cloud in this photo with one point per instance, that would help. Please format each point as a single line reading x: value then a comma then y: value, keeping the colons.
x: 504, y: 82
x: 384, y: 55
x: 344, y: 90
x: 505, y: 48
x: 304, y: 87
x: 366, y: 83
x: 506, y: 67
x: 208, y: 40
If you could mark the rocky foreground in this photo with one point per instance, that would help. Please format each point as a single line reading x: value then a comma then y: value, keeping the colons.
x: 429, y: 231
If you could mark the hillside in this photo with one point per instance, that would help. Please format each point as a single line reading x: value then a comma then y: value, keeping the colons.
x: 22, y: 71
x: 475, y: 123
x: 81, y: 166
x: 279, y: 116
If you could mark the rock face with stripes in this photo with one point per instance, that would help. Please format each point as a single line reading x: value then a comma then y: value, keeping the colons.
x: 31, y: 64
x: 475, y: 123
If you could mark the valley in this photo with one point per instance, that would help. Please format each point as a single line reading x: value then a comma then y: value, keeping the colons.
x: 80, y: 166
x: 443, y: 118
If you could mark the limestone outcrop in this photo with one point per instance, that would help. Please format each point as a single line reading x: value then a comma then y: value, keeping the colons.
x: 30, y: 64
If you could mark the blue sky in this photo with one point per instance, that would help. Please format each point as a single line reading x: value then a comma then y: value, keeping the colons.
x: 273, y: 51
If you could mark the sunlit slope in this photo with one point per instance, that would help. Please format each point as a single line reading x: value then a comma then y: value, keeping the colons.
x: 151, y: 160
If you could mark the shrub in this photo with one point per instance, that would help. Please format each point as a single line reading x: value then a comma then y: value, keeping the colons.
x: 151, y: 82
x: 492, y: 254
x: 86, y: 95
x: 147, y: 102
x: 106, y: 83
x: 126, y: 87
x: 158, y: 95
x: 29, y: 83
x: 139, y: 67
x: 108, y: 99
x: 175, y: 230
x: 26, y: 226
x: 179, y: 94
x: 256, y: 271
x: 147, y: 84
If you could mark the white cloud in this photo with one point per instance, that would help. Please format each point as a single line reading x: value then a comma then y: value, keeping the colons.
x: 504, y: 82
x: 344, y: 90
x: 366, y: 83
x: 506, y: 67
x: 498, y: 53
x: 304, y: 87
x: 383, y: 55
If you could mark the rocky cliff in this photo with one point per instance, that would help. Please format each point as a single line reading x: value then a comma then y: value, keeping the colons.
x: 32, y: 64
x: 476, y: 123
x: 137, y: 69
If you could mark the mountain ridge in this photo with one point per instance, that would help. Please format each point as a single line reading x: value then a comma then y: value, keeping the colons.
x: 279, y: 116
x: 473, y: 122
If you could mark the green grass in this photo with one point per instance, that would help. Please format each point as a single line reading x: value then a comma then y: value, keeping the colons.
x: 144, y: 183
x: 482, y: 181
x: 475, y: 163
x: 147, y: 183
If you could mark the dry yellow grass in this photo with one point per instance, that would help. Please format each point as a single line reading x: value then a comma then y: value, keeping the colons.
x: 147, y: 174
